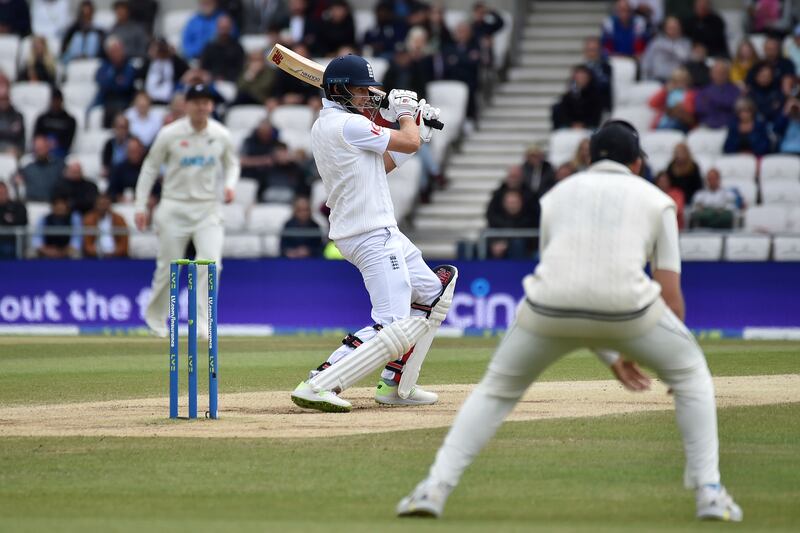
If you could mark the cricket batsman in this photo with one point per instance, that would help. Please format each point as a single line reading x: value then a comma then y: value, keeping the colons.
x: 194, y: 149
x: 599, y: 229
x: 409, y: 300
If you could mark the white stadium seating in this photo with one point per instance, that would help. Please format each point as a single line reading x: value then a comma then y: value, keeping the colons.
x: 91, y: 141
x: 766, y: 219
x: 246, y: 190
x: 743, y: 247
x: 8, y: 166
x: 660, y: 144
x: 104, y: 19
x: 127, y: 212
x: 254, y: 43
x: 786, y: 248
x: 293, y: 117
x: 746, y: 188
x: 706, y: 141
x: 242, y: 246
x: 9, y: 48
x: 30, y: 95
x: 623, y: 72
x: 638, y: 93
x: 296, y: 139
x: 364, y: 20
x: 639, y: 116
x: 79, y: 95
x: 245, y: 117
x: 793, y: 219
x: 90, y: 163
x: 269, y: 219
x: 736, y: 167
x: 563, y: 144
x: 233, y: 215
x: 404, y: 184
x: 780, y: 192
x: 143, y: 245
x: 701, y: 246
x: 82, y: 70
x: 173, y: 23
x: 780, y: 166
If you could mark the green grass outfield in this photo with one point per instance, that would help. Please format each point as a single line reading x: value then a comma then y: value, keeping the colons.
x: 593, y: 474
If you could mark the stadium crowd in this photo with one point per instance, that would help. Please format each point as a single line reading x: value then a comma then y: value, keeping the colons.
x: 111, y: 84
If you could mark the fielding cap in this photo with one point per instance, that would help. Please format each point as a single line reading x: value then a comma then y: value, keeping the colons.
x: 199, y: 91
x: 616, y: 140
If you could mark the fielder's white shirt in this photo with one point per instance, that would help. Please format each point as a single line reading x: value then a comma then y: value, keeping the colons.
x: 599, y: 229
x: 348, y: 150
x: 193, y: 159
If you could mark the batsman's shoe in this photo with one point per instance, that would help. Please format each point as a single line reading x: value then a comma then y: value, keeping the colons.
x: 305, y: 396
x: 714, y: 503
x: 426, y: 501
x: 387, y: 395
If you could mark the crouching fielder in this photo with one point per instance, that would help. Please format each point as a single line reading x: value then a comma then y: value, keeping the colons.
x: 409, y: 300
x: 598, y: 230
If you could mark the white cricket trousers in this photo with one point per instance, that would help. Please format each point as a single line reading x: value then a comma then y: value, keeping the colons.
x: 668, y: 348
x: 395, y: 276
x: 178, y: 222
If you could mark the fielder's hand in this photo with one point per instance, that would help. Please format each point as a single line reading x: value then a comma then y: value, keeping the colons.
x: 230, y: 195
x: 402, y: 103
x: 141, y: 220
x: 629, y: 374
x: 424, y: 112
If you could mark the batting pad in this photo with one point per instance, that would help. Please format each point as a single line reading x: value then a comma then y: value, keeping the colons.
x: 390, y: 343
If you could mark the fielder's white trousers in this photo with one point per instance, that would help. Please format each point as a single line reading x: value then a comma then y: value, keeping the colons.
x: 395, y: 275
x: 668, y: 348
x: 178, y: 222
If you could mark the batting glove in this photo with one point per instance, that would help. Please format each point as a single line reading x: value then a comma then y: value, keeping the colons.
x: 424, y: 112
x: 402, y: 103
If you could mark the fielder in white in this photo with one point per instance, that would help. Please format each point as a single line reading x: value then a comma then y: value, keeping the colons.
x: 599, y: 228
x: 409, y: 300
x: 193, y: 149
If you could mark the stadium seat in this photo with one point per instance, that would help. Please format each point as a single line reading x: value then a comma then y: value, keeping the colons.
x: 660, y: 144
x: 82, y: 70
x: 143, y: 246
x: 766, y: 219
x: 245, y: 117
x: 9, y: 47
x: 379, y: 67
x: 127, y: 212
x: 450, y: 93
x: 736, y: 167
x: 8, y: 166
x: 79, y: 115
x: 563, y: 144
x: 104, y: 19
x: 404, y: 184
x: 268, y: 219
x: 254, y: 43
x: 296, y: 139
x: 706, y: 141
x: 242, y: 246
x: 746, y: 188
x: 30, y: 95
x: 638, y: 93
x: 701, y: 246
x: 658, y: 162
x: 226, y: 89
x: 363, y: 20
x: 502, y: 39
x: 36, y: 210
x: 786, y: 247
x: 8, y: 66
x: 91, y: 141
x: 623, y: 72
x: 292, y: 117
x: 758, y: 40
x: 780, y: 192
x: 453, y: 17
x: 94, y: 118
x: 780, y: 166
x: 793, y: 219
x: 704, y: 163
x: 173, y: 24
x: 238, y: 137
x: 233, y: 216
x: 744, y: 247
x: 246, y: 190
x: 639, y: 116
x: 317, y: 200
x: 79, y: 95
x: 271, y: 245
x: 90, y: 163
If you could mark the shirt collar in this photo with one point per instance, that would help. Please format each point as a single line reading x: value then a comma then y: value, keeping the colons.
x: 607, y: 165
x: 328, y: 104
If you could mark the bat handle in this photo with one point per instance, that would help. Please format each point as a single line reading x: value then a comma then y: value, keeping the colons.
x: 435, y: 124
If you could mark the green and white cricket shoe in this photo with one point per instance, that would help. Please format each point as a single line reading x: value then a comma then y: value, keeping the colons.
x: 387, y: 395
x: 714, y: 503
x: 426, y: 501
x: 306, y: 397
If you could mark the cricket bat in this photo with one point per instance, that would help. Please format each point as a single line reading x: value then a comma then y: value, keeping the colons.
x: 311, y: 72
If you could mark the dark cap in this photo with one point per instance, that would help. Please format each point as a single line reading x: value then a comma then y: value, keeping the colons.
x: 199, y: 91
x: 616, y: 140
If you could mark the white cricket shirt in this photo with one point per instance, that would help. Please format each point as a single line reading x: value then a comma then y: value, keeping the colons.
x: 193, y: 160
x: 599, y: 229
x: 348, y: 150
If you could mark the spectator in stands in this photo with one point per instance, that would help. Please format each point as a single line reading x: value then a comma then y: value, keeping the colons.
x: 514, y: 181
x: 39, y: 177
x: 256, y: 156
x: 538, y: 173
x: 123, y: 176
x: 105, y: 231
x: 582, y: 105
x: 513, y: 214
x: 255, y: 83
x: 747, y: 134
x: 388, y: 32
x: 224, y: 56
x: 162, y: 71
x: 12, y: 124
x: 262, y: 15
x: 462, y: 62
x: 746, y: 57
x: 773, y: 57
x: 674, y: 103
x: 143, y: 12
x: 713, y: 207
x: 57, y: 125
x: 12, y: 214
x: 200, y: 29
x: 623, y: 32
x: 143, y: 121
x: 684, y: 172
x: 132, y: 34
x: 582, y: 158
x: 115, y: 80
x: 714, y: 103
x: 15, y: 17
x: 707, y: 27
x: 39, y: 65
x: 50, y: 18
x: 115, y: 151
x: 288, y: 90
x: 285, y: 177
x: 765, y: 93
x: 664, y: 183
x: 177, y: 109
x: 58, y: 234
x: 439, y: 36
x: 83, y: 39
x: 595, y: 60
x: 80, y: 192
x: 411, y: 67
x: 485, y: 24
x: 787, y: 127
x: 301, y: 26
x: 764, y: 15
x: 337, y: 29
x: 793, y: 48
x: 697, y: 66
x: 301, y: 243
x: 668, y: 51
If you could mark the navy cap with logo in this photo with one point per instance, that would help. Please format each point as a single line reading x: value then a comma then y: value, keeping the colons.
x: 199, y: 91
x: 616, y: 140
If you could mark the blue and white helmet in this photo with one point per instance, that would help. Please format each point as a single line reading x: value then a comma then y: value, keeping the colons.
x: 344, y: 71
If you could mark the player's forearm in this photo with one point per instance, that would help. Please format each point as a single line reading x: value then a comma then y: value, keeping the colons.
x: 407, y: 137
x: 147, y: 178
